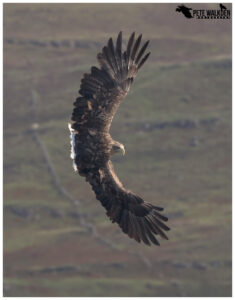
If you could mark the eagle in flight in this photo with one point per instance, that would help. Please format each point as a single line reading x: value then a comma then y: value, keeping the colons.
x: 101, y: 92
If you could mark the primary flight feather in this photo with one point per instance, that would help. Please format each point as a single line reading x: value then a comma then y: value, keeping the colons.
x: 101, y: 92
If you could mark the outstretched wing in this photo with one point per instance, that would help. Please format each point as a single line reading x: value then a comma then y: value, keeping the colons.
x: 104, y: 89
x: 137, y: 218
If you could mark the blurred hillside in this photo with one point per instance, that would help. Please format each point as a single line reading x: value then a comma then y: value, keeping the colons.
x: 175, y: 125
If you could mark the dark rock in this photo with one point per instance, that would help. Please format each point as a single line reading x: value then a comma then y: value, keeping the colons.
x: 150, y: 286
x: 225, y: 63
x: 182, y: 124
x: 216, y: 264
x: 175, y: 284
x: 55, y: 44
x: 77, y: 44
x: 199, y: 266
x: 35, y: 212
x: 65, y: 269
x: 185, y: 99
x: 38, y: 43
x: 186, y: 124
x: 208, y: 122
x: 228, y: 263
x: 160, y: 125
x: 65, y: 43
x: 180, y: 265
x: 10, y: 41
x: 76, y: 215
x: 19, y: 211
x: 54, y: 213
x: 117, y: 265
x: 60, y: 269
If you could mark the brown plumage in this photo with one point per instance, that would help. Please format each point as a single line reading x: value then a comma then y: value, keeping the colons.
x: 92, y: 146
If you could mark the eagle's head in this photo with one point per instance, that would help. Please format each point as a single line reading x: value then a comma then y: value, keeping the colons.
x: 117, y: 148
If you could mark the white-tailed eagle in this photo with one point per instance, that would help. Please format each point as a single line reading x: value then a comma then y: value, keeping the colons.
x: 101, y: 92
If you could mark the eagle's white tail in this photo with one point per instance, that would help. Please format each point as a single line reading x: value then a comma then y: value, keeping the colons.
x: 73, y: 149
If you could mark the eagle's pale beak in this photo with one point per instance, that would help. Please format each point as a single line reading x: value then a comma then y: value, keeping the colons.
x: 123, y: 151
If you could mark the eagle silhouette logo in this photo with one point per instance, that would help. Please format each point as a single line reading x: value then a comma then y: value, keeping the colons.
x: 222, y: 7
x: 185, y: 11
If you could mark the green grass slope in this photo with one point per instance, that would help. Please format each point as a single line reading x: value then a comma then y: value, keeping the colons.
x: 175, y: 125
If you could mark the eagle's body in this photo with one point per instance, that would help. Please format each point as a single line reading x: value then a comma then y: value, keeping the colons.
x: 102, y: 91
